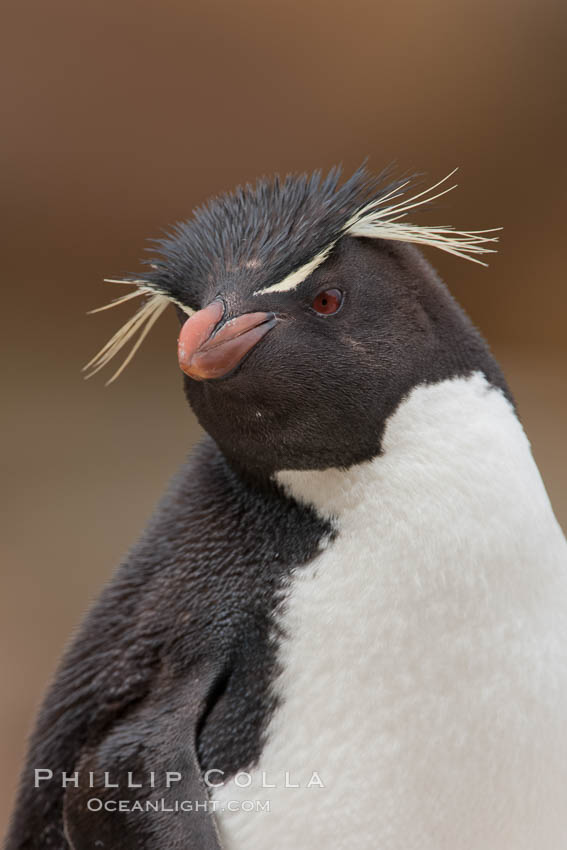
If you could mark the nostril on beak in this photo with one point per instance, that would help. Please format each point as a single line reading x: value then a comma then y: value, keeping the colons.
x: 204, y: 354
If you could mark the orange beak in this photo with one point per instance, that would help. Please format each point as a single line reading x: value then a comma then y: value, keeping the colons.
x: 204, y: 354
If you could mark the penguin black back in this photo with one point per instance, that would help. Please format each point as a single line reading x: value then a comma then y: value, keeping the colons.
x: 178, y: 649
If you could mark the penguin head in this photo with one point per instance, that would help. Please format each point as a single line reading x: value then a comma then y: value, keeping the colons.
x: 307, y: 316
x: 306, y: 378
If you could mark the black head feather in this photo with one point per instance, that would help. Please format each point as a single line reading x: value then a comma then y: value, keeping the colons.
x: 272, y: 237
x: 258, y: 234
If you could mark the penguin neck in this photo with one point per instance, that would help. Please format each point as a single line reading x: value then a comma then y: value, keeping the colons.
x: 455, y: 482
x: 435, y: 429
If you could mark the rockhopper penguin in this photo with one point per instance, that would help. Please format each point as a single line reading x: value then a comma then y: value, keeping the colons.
x: 346, y: 623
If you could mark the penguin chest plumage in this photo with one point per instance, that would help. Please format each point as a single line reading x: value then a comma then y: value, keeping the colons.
x: 423, y: 654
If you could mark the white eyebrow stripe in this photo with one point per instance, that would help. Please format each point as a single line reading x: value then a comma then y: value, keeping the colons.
x: 189, y: 311
x: 140, y: 323
x: 143, y: 288
x: 375, y: 221
x: 299, y: 275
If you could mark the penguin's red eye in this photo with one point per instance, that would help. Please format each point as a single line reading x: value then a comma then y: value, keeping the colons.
x: 327, y: 302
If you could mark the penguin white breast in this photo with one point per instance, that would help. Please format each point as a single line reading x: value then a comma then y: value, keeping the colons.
x: 423, y: 660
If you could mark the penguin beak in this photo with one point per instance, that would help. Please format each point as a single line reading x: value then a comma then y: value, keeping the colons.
x: 207, y: 351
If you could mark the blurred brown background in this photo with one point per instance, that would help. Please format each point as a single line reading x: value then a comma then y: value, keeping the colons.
x: 119, y: 118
